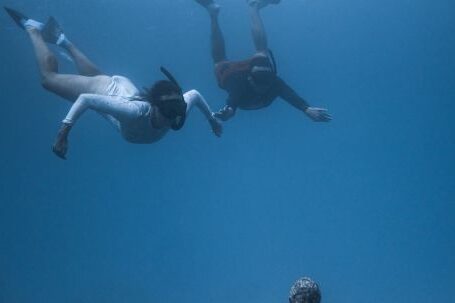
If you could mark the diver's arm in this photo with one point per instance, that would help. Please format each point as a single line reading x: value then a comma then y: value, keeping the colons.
x: 228, y: 111
x: 194, y: 98
x: 290, y: 96
x: 99, y: 103
x: 118, y: 108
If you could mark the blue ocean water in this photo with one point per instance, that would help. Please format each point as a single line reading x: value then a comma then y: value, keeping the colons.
x: 365, y: 204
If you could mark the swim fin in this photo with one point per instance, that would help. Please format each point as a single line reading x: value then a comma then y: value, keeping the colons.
x: 204, y: 3
x: 52, y: 31
x: 18, y: 17
x: 262, y: 3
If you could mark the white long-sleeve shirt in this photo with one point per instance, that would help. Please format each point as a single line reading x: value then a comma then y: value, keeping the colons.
x: 131, y: 117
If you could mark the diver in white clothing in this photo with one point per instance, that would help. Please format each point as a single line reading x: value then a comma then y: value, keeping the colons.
x: 141, y: 117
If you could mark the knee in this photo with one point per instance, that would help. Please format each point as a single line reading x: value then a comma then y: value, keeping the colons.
x: 51, y: 62
x: 48, y: 81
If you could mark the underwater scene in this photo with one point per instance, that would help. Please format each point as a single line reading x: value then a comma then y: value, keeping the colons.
x: 225, y: 151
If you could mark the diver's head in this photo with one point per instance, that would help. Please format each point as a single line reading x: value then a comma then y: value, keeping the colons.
x: 167, y: 97
x: 305, y: 290
x: 262, y: 74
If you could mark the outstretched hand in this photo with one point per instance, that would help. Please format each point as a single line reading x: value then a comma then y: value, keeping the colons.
x: 60, y: 147
x: 217, y: 127
x: 225, y: 113
x: 318, y: 114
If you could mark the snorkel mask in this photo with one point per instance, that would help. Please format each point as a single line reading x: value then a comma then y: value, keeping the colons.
x: 263, y: 70
x: 262, y: 75
x: 172, y: 106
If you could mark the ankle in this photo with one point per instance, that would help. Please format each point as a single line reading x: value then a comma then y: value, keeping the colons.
x: 32, y: 24
x: 32, y: 30
x: 213, y: 9
x: 63, y: 42
x: 255, y: 8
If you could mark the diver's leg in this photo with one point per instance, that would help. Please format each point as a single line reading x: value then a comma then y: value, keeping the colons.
x: 70, y: 87
x: 66, y: 86
x: 217, y: 40
x: 257, y: 27
x: 53, y: 33
x: 216, y: 37
x: 84, y: 66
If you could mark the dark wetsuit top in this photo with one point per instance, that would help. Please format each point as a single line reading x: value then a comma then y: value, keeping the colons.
x: 233, y: 77
x: 243, y: 95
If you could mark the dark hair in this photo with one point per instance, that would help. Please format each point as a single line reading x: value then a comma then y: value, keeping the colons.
x: 305, y: 290
x: 159, y: 89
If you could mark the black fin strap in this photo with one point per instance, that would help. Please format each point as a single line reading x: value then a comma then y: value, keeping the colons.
x: 272, y: 57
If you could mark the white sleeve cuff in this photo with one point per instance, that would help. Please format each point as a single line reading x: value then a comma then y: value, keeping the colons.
x: 67, y: 121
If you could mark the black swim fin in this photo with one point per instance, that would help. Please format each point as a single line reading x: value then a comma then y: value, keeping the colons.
x: 18, y: 17
x: 204, y: 3
x: 51, y: 31
x: 262, y: 3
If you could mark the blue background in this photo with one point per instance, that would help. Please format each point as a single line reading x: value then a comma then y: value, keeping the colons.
x: 365, y: 205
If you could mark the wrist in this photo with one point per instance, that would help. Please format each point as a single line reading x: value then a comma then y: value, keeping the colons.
x: 65, y: 129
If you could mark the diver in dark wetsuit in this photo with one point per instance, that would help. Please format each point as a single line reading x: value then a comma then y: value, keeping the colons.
x: 253, y: 83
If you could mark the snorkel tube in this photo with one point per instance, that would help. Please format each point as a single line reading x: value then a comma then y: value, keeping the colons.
x: 176, y: 111
x: 272, y: 58
x: 263, y: 71
x: 170, y: 77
